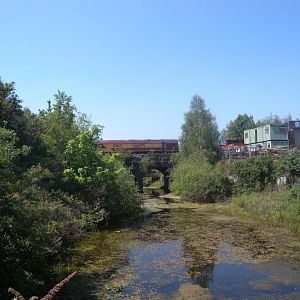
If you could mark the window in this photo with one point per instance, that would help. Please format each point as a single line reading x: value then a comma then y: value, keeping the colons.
x: 246, y: 135
x: 267, y: 130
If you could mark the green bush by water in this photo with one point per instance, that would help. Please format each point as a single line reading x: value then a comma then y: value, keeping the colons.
x: 200, y: 182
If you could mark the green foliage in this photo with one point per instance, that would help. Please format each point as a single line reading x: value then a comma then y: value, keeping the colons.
x: 273, y: 119
x: 194, y: 178
x: 294, y: 193
x: 290, y: 166
x: 59, y: 126
x: 40, y: 214
x: 34, y: 224
x: 85, y: 164
x: 124, y: 200
x: 8, y: 150
x: 98, y: 178
x: 198, y: 181
x: 199, y: 131
x: 235, y: 129
x: 146, y: 163
x: 11, y: 113
x: 253, y: 175
x: 279, y: 208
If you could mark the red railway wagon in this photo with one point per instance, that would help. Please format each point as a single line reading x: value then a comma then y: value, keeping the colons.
x: 139, y: 146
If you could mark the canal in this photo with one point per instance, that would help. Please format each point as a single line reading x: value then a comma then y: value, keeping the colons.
x: 185, y: 251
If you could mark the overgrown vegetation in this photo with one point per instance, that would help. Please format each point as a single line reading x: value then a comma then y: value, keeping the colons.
x: 252, y: 175
x: 200, y: 181
x: 54, y: 185
x: 198, y: 177
x: 257, y: 193
x: 278, y: 207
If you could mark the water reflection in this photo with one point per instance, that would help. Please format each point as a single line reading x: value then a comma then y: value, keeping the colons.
x: 179, y: 253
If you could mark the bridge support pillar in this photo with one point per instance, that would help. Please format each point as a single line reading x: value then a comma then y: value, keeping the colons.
x: 138, y: 177
x: 164, y: 182
x: 139, y: 181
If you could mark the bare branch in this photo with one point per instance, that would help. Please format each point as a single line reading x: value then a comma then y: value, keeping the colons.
x: 16, y: 293
x: 50, y: 294
x: 58, y: 287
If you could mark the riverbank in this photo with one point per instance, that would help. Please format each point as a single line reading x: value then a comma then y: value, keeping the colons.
x: 185, y: 251
x: 280, y: 208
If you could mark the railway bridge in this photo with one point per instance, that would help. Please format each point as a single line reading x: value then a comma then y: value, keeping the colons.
x: 142, y: 164
x: 142, y: 156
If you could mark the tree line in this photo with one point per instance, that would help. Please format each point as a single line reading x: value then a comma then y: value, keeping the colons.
x: 55, y: 184
x: 201, y: 176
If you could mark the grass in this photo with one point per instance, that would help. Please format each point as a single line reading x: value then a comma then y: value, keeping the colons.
x: 276, y: 207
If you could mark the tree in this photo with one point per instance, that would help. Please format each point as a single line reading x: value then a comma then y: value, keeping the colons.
x: 10, y: 107
x: 273, y: 119
x: 59, y: 126
x: 235, y: 129
x: 99, y: 179
x: 199, y: 131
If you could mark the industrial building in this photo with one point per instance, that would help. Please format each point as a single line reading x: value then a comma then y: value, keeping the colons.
x: 267, y: 136
x: 271, y: 136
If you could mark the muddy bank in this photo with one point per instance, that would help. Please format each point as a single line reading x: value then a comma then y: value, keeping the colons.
x: 184, y: 251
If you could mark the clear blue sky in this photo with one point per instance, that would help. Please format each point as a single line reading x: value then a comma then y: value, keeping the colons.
x: 134, y: 65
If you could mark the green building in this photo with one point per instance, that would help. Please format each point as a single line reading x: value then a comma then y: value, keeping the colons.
x: 267, y: 136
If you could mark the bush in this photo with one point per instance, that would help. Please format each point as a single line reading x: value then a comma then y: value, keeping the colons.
x: 294, y: 193
x: 253, y: 175
x: 289, y: 166
x: 199, y: 181
x: 124, y: 200
x: 32, y: 233
x: 106, y: 188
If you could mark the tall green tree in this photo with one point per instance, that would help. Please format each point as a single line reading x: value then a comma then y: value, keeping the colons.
x: 59, y: 126
x: 10, y: 106
x: 235, y: 129
x: 199, y: 131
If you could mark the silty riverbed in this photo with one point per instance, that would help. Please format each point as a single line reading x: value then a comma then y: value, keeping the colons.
x: 185, y: 251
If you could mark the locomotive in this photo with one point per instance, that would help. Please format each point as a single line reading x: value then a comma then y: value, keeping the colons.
x: 139, y: 146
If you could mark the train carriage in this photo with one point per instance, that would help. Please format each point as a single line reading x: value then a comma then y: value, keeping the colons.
x: 139, y: 146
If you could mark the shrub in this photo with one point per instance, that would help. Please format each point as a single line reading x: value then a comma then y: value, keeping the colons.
x: 253, y: 175
x: 290, y: 166
x: 294, y: 193
x: 199, y: 181
x: 124, y: 199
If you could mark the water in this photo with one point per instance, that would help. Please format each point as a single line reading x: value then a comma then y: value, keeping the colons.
x: 185, y: 254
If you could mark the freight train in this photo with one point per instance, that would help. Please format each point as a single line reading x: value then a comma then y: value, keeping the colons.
x: 139, y: 146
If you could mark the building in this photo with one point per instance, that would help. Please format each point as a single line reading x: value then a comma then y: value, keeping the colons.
x: 267, y: 137
x: 294, y: 134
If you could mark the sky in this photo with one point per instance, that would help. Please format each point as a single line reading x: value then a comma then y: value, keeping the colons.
x: 134, y: 65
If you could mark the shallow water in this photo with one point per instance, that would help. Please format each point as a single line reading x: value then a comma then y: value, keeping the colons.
x: 185, y: 254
